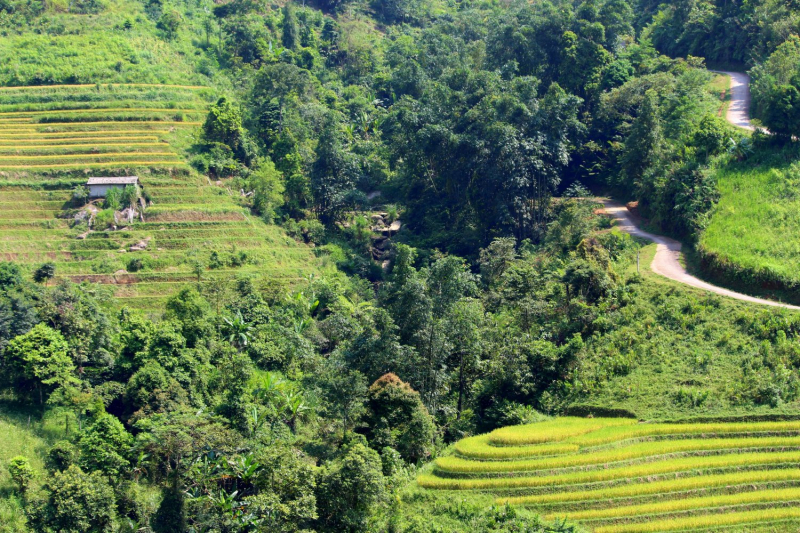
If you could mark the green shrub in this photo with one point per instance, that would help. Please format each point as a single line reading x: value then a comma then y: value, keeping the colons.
x: 21, y: 472
x: 104, y: 220
x: 74, y: 502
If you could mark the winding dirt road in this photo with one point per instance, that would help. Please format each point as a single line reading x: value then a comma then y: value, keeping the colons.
x: 739, y: 109
x: 667, y: 259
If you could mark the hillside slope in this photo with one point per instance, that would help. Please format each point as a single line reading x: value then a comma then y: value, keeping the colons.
x: 125, y: 102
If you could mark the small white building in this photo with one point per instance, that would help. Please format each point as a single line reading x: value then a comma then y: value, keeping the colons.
x: 98, y: 187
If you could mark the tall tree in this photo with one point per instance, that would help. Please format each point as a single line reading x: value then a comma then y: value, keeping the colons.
x: 289, y: 37
x: 644, y: 143
x: 335, y: 172
x: 38, y: 361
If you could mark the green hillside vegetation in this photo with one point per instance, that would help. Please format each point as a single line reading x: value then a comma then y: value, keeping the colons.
x: 194, y: 230
x: 89, y: 42
x: 635, y: 477
x: 366, y: 288
x: 746, y: 239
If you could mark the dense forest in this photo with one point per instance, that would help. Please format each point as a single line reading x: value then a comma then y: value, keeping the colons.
x: 483, y: 129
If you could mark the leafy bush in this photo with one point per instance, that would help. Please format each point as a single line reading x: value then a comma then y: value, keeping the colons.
x: 21, y: 472
x: 74, y: 502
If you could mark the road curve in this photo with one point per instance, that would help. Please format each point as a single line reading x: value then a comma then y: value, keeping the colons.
x: 667, y: 259
x: 666, y: 262
x: 739, y: 109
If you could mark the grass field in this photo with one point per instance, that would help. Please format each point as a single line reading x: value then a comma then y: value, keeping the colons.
x: 196, y: 232
x: 745, y: 241
x: 619, y: 475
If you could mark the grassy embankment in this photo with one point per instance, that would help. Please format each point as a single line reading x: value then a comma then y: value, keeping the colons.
x: 747, y: 244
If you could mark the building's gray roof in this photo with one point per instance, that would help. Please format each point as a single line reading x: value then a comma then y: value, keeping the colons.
x: 127, y: 180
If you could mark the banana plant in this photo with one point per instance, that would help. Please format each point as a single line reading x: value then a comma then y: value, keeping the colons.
x: 238, y: 331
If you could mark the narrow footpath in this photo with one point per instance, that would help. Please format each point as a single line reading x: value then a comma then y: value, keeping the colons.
x: 667, y: 259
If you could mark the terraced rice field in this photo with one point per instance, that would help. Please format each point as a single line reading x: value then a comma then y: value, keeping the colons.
x: 622, y: 476
x: 53, y: 137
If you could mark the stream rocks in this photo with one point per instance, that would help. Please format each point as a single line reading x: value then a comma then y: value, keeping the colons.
x: 383, y: 231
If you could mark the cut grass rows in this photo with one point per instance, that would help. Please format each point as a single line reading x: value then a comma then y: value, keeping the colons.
x: 84, y: 86
x: 657, y: 487
x: 128, y: 99
x: 78, y: 148
x: 683, y: 464
x: 597, y: 432
x: 6, y: 115
x: 74, y: 141
x: 37, y: 136
x: 479, y: 447
x: 81, y: 249
x: 714, y: 521
x: 623, y: 476
x: 125, y: 163
x: 722, y: 500
x: 51, y: 138
x: 37, y: 158
x: 637, y: 451
x: 33, y: 128
x: 553, y: 430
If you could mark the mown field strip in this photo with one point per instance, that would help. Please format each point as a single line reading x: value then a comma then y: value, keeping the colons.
x: 96, y: 110
x: 175, y: 276
x: 582, y: 434
x: 657, y: 487
x: 172, y: 100
x: 13, y: 88
x: 479, y: 448
x: 65, y: 142
x: 683, y: 464
x: 722, y: 500
x: 71, y: 148
x: 71, y: 156
x: 714, y: 521
x: 38, y: 136
x: 117, y: 164
x: 33, y: 128
x: 553, y: 430
x: 452, y: 464
x: 223, y: 231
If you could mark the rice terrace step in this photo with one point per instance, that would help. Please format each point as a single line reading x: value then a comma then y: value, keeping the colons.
x: 618, y: 475
x: 53, y: 138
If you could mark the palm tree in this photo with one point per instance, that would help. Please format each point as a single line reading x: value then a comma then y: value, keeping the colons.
x: 272, y: 385
x: 238, y: 331
x: 294, y: 408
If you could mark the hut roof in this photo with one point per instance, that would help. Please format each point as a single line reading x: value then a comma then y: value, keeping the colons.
x: 127, y: 180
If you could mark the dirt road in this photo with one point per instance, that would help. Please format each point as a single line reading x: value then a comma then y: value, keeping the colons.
x: 739, y: 110
x: 667, y: 259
